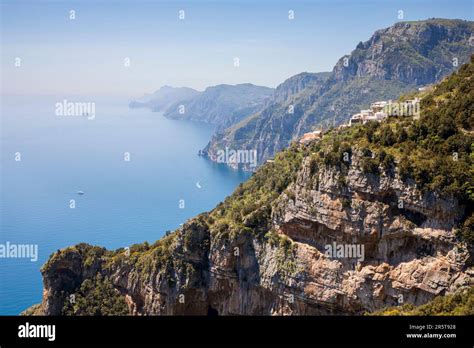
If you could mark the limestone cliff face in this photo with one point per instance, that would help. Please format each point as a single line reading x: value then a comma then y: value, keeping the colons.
x: 421, y: 42
x: 410, y: 254
x: 410, y: 248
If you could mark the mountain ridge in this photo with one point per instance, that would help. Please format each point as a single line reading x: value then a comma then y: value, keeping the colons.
x: 163, y: 98
x: 395, y: 60
x: 222, y: 104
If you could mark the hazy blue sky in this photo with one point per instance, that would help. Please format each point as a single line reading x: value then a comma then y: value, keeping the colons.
x: 86, y: 55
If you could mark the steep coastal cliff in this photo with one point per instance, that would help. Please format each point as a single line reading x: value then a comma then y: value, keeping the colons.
x: 368, y: 217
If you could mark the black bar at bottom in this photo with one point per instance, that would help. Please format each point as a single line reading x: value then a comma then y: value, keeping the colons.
x: 332, y: 330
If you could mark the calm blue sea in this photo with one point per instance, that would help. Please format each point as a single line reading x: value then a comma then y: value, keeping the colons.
x: 124, y: 202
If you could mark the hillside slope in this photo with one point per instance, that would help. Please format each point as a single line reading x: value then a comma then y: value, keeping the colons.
x: 393, y: 61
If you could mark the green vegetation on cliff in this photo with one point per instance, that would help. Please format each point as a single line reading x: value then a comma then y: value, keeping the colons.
x: 249, y: 207
x: 96, y: 296
x: 460, y: 303
x: 434, y: 152
x: 436, y: 149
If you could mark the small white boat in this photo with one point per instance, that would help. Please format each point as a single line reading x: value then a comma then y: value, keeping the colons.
x: 80, y: 193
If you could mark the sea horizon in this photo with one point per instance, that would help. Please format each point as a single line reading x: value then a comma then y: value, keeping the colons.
x: 123, y: 202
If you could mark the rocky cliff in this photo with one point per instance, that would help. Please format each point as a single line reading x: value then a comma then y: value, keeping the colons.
x: 393, y: 61
x: 411, y: 256
x: 349, y: 224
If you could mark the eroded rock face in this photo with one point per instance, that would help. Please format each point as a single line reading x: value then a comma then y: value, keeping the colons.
x: 410, y: 255
x: 423, y: 37
x: 410, y: 248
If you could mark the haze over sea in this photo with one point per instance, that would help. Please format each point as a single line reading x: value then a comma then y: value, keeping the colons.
x: 124, y: 202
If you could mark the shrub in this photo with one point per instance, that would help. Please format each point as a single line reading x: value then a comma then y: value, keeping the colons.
x: 96, y: 296
x: 386, y: 160
x: 466, y: 232
x: 346, y: 203
x: 370, y: 129
x: 368, y: 164
x: 460, y: 303
x: 386, y: 137
x: 313, y: 166
x: 404, y: 168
